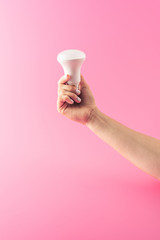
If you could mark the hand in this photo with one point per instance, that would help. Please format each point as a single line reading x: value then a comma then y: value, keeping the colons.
x: 69, y: 104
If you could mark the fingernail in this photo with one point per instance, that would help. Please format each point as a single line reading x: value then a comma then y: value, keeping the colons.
x: 67, y: 76
x: 78, y: 99
x: 77, y: 91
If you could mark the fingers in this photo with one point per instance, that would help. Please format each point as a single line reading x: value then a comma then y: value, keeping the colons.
x: 64, y: 98
x: 64, y: 79
x: 67, y: 93
x: 71, y: 95
x: 69, y: 88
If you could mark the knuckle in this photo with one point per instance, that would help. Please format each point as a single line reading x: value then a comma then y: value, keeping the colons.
x: 73, y: 89
x: 60, y: 80
x: 58, y: 91
x: 60, y: 87
x: 64, y: 97
x: 62, y: 91
x: 70, y: 88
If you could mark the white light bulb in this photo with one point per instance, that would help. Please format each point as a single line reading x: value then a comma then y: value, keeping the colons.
x: 71, y: 61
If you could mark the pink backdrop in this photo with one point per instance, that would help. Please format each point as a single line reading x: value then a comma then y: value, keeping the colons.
x: 58, y: 181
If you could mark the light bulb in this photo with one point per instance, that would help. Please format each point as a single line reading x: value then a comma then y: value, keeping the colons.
x: 71, y: 61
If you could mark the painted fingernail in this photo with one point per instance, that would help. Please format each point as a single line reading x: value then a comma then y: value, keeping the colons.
x: 78, y: 99
x: 77, y: 91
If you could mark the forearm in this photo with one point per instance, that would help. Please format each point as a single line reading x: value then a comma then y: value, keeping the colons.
x: 142, y: 150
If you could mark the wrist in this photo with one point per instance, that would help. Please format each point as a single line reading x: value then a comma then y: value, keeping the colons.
x: 94, y: 113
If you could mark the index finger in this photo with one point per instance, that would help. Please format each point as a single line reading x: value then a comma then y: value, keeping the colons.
x: 64, y: 79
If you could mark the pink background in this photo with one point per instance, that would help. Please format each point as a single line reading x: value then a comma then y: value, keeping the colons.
x: 57, y: 179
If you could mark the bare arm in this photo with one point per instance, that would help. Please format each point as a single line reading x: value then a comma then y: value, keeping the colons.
x: 140, y: 149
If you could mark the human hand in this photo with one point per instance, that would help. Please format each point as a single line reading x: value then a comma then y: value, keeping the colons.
x: 68, y: 103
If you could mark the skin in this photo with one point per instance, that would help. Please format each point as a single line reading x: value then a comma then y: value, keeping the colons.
x: 140, y: 149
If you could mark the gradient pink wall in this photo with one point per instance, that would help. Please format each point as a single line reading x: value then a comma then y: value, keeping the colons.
x: 57, y: 179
